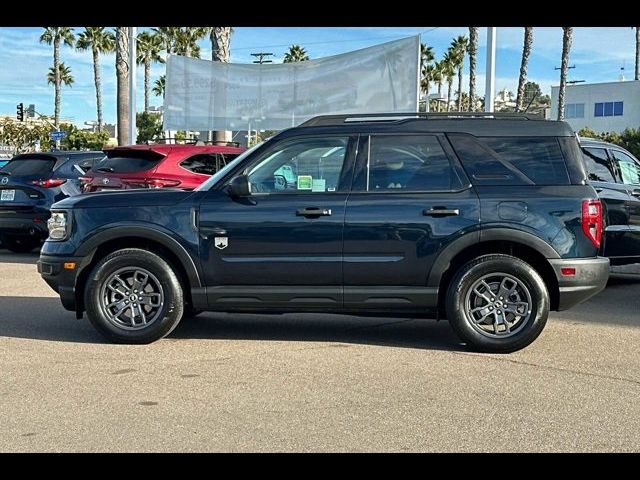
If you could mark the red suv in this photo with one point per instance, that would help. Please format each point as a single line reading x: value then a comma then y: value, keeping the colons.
x: 157, y: 166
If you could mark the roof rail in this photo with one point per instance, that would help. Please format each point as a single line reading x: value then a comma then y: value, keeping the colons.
x: 397, y: 117
x: 191, y: 141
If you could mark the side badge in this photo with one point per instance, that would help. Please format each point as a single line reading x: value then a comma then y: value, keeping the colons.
x: 221, y: 242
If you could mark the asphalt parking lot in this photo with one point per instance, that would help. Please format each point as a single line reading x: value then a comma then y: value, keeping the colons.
x: 314, y: 382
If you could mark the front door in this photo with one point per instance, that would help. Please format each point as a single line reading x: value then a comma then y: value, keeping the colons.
x: 629, y: 169
x: 282, y: 247
x: 410, y: 198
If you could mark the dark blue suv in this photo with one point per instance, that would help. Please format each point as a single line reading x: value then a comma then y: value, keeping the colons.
x: 29, y: 184
x: 486, y: 220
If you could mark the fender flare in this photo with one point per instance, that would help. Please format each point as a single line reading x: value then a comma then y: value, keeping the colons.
x: 443, y: 260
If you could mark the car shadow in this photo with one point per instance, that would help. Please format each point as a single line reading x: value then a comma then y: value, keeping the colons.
x: 45, y: 319
x: 26, y: 258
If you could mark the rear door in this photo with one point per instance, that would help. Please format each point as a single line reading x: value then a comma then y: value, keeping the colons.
x: 410, y: 198
x: 629, y: 171
x: 601, y: 171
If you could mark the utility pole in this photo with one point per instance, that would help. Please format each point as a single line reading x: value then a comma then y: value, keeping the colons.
x: 260, y: 56
x: 132, y: 84
x: 489, y: 90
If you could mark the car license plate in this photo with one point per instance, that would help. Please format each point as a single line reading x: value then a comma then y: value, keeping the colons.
x: 8, y: 195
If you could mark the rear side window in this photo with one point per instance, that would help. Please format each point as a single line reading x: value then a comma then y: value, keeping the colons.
x: 128, y: 162
x: 29, y: 166
x: 511, y: 160
x: 599, y: 168
x: 207, y: 163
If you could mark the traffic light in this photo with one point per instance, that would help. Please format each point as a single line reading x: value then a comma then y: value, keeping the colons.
x: 20, y: 112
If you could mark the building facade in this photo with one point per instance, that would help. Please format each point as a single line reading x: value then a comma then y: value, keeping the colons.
x: 603, y: 107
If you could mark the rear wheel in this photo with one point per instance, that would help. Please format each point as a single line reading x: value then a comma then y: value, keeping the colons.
x: 134, y: 296
x: 20, y: 244
x: 497, y: 303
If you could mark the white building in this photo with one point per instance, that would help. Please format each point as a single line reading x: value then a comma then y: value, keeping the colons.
x: 604, y: 107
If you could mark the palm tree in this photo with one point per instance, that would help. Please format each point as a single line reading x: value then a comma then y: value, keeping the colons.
x: 567, y: 32
x: 149, y: 48
x: 158, y: 86
x: 459, y: 47
x: 220, y: 43
x: 473, y: 52
x: 186, y: 41
x: 64, y: 75
x: 526, y: 50
x: 167, y: 37
x: 295, y: 54
x: 637, y: 53
x: 426, y: 69
x: 448, y: 72
x: 53, y: 36
x: 220, y: 52
x: 438, y: 77
x: 122, y: 75
x: 98, y: 40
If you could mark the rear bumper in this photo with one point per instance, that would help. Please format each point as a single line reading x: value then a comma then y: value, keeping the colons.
x: 590, y: 278
x: 27, y: 224
x: 59, y: 279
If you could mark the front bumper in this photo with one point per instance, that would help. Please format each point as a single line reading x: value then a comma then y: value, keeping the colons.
x: 62, y: 281
x: 590, y: 278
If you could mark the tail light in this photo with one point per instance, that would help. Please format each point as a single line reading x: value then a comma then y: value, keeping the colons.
x: 152, y: 182
x: 49, y: 183
x: 592, y: 221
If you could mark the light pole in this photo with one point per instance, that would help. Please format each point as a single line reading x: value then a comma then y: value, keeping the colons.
x: 489, y: 90
x: 132, y: 84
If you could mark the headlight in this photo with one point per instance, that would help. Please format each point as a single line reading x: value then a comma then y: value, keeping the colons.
x: 59, y: 226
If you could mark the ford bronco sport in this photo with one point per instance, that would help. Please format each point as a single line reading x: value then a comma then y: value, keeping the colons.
x: 486, y: 220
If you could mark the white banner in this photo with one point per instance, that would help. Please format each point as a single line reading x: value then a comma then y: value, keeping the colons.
x: 206, y: 95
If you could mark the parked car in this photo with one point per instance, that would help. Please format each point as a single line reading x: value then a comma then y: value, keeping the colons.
x: 157, y: 166
x: 485, y: 220
x: 615, y: 174
x: 29, y: 184
x: 3, y: 162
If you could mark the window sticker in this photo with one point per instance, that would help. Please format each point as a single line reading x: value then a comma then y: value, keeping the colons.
x: 318, y: 185
x: 305, y: 182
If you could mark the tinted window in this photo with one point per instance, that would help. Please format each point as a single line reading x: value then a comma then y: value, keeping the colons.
x: 303, y: 166
x: 29, y: 166
x: 598, y: 166
x: 208, y: 163
x: 409, y: 162
x: 629, y: 169
x: 512, y: 160
x: 128, y: 162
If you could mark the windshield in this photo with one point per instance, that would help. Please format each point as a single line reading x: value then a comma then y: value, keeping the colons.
x: 222, y: 172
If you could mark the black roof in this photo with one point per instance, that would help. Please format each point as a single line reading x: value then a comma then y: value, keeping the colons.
x: 479, y: 124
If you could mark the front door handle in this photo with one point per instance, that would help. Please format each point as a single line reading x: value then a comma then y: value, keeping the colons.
x: 635, y: 192
x: 208, y: 231
x: 311, y: 212
x: 441, y: 212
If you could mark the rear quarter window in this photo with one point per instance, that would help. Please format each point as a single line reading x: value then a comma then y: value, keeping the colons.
x: 511, y: 160
x: 128, y: 162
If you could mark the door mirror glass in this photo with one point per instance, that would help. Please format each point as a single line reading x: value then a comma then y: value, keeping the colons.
x: 239, y: 187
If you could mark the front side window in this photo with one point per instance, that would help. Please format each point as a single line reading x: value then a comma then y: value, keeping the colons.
x: 599, y: 168
x: 409, y: 162
x: 310, y: 165
x: 629, y: 169
x: 204, y: 164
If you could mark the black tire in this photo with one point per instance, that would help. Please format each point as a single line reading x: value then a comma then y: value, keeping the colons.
x: 477, y: 334
x: 166, y: 315
x: 20, y: 244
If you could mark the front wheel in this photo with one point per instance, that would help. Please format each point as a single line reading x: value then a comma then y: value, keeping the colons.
x: 497, y: 303
x: 133, y: 296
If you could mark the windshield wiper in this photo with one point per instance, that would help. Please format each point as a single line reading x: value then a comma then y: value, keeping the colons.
x: 105, y: 169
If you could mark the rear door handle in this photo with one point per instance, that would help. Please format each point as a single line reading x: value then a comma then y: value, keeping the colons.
x: 313, y: 212
x: 441, y: 212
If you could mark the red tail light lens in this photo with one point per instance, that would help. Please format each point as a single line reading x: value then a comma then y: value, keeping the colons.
x: 49, y: 183
x: 592, y: 221
x: 152, y: 182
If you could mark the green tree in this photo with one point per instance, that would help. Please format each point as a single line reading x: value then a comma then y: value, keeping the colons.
x: 54, y: 36
x: 98, y: 40
x: 459, y: 47
x: 149, y: 127
x: 438, y: 77
x: 295, y: 54
x: 449, y: 72
x: 426, y: 68
x: 122, y: 84
x: 522, y: 79
x: 186, y: 41
x: 567, y: 33
x: 64, y: 75
x: 82, y: 139
x: 167, y: 37
x: 159, y: 86
x: 473, y: 54
x: 149, y: 48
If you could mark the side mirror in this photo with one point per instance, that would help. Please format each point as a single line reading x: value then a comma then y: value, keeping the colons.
x: 239, y: 187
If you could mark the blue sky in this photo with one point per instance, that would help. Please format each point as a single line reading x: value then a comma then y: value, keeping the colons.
x: 598, y: 54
